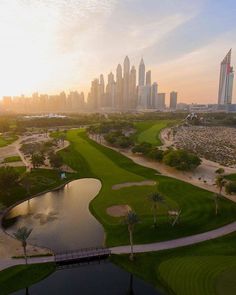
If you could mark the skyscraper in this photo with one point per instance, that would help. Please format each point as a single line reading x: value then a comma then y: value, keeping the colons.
x: 119, y: 88
x: 149, y: 89
x: 148, y: 78
x: 173, y: 100
x: 110, y: 93
x: 161, y: 97
x: 226, y: 81
x: 132, y: 89
x: 93, y: 95
x: 141, y: 77
x: 126, y: 82
x: 154, y: 95
x: 101, y: 94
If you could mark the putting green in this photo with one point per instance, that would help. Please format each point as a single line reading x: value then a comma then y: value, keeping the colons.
x: 199, y: 275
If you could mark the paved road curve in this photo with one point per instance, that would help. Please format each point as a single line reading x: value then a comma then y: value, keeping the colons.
x: 181, y: 242
x: 186, y: 241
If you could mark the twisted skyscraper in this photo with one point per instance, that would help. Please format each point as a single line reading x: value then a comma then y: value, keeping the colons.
x: 226, y: 81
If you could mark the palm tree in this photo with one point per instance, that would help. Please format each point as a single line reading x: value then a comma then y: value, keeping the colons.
x: 216, y: 198
x: 22, y: 235
x: 220, y: 183
x: 131, y: 219
x: 156, y: 199
x: 220, y: 171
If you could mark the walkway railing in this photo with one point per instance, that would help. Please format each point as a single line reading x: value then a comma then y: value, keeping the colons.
x: 84, y: 255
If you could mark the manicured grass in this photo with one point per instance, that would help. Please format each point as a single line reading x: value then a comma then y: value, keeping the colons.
x: 94, y: 160
x: 22, y: 276
x: 41, y: 180
x: 231, y: 177
x: 206, y: 268
x: 6, y: 140
x: 149, y: 131
x: 12, y: 159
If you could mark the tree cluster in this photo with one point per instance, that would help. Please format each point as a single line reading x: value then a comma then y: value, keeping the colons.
x: 8, y: 178
x: 118, y: 139
x: 179, y: 159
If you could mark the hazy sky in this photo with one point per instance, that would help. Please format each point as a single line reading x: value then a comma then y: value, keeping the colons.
x: 54, y: 45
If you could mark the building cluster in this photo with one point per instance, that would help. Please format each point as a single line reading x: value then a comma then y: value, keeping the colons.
x: 43, y: 103
x: 128, y: 90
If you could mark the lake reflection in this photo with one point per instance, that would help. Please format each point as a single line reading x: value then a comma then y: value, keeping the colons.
x: 103, y: 279
x: 61, y: 219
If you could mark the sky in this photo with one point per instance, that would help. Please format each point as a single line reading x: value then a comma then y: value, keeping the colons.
x: 48, y: 46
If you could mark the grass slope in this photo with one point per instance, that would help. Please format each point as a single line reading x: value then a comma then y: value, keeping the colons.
x: 23, y: 276
x: 6, y: 140
x: 208, y: 268
x: 41, y: 180
x: 149, y: 131
x: 231, y: 177
x: 12, y: 159
x: 94, y: 160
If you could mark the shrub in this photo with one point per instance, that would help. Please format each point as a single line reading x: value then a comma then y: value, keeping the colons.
x: 230, y: 187
x: 181, y: 159
x: 155, y: 154
x: 143, y: 148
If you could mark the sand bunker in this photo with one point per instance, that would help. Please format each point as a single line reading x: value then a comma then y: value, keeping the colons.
x: 118, y: 210
x: 129, y: 184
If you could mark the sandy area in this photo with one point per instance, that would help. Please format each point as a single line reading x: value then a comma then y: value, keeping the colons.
x: 11, y: 247
x: 129, y: 184
x: 118, y: 210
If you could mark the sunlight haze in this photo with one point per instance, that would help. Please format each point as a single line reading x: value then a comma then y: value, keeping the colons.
x: 50, y: 46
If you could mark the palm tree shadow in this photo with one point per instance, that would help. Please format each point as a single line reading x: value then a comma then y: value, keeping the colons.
x: 130, y: 291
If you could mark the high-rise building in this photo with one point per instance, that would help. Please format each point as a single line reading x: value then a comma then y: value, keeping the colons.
x: 119, y: 88
x: 141, y: 75
x: 101, y: 94
x: 226, y: 81
x: 173, y: 100
x: 148, y: 78
x: 143, y: 94
x: 132, y: 89
x: 126, y: 82
x: 161, y: 97
x: 154, y: 95
x: 93, y: 98
x: 149, y: 89
x: 110, y: 91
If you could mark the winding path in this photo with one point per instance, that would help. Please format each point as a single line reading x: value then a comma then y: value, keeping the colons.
x: 171, y: 244
x: 181, y: 242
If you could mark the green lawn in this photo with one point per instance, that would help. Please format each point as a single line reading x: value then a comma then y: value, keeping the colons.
x: 231, y: 177
x: 6, y: 140
x: 208, y: 268
x: 41, y: 180
x: 94, y: 160
x: 23, y: 276
x: 149, y: 131
x: 12, y: 159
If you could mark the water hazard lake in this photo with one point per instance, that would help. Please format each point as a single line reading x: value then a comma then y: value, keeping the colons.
x: 61, y: 219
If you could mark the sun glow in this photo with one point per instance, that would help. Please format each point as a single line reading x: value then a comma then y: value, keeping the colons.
x: 26, y: 47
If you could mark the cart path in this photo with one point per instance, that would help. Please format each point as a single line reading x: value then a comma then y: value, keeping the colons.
x: 181, y: 242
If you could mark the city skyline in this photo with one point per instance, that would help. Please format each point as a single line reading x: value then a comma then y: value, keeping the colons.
x: 50, y: 46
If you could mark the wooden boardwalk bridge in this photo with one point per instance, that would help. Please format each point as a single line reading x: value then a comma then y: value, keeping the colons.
x: 80, y: 256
